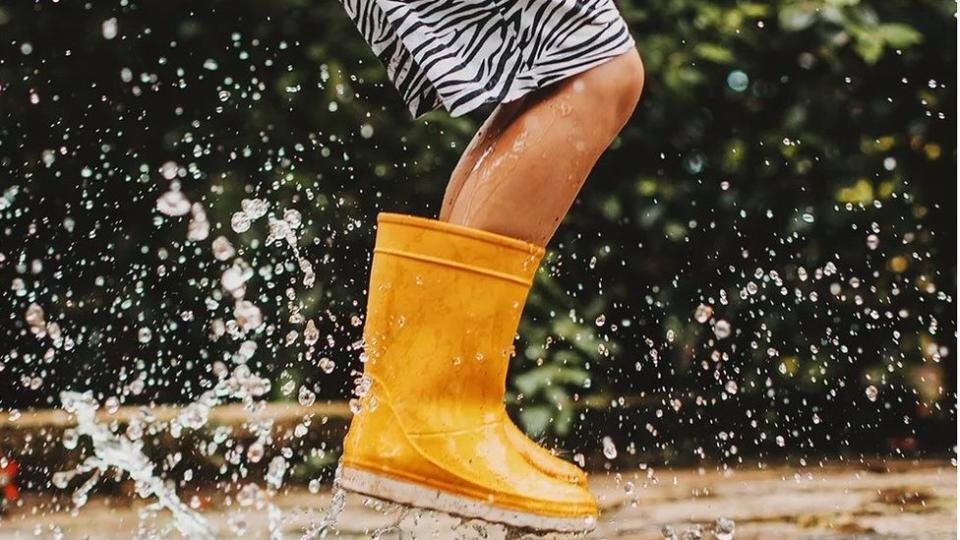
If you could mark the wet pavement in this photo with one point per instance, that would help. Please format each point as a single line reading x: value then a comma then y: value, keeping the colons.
x: 911, y: 500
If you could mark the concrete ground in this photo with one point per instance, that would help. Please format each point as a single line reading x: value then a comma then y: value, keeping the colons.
x: 912, y: 500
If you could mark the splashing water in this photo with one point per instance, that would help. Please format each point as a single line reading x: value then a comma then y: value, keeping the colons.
x: 722, y: 529
x: 124, y: 452
x: 126, y: 456
x: 337, y: 502
x: 283, y: 229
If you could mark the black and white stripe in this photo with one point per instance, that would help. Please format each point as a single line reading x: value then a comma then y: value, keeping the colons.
x: 460, y: 54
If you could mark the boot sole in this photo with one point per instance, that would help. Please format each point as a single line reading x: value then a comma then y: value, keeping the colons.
x: 406, y: 493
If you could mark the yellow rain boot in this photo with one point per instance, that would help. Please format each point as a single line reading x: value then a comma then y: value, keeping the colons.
x: 444, y: 304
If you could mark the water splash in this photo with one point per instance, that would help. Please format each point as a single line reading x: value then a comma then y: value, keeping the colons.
x: 283, y: 229
x: 112, y: 451
x: 124, y: 454
x: 338, y: 500
x: 722, y: 529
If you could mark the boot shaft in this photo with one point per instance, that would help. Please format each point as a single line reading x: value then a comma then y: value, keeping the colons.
x: 443, y: 309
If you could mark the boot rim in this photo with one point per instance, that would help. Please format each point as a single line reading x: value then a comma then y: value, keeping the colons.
x: 460, y: 230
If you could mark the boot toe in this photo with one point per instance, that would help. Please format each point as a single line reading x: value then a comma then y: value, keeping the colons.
x: 543, y: 459
x: 489, y: 464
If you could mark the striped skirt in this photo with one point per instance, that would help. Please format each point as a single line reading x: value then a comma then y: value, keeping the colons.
x: 460, y: 54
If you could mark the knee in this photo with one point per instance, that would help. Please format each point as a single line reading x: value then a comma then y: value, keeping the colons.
x: 628, y: 83
x: 616, y: 86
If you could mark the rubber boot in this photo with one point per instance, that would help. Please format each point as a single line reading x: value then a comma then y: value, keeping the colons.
x: 444, y: 304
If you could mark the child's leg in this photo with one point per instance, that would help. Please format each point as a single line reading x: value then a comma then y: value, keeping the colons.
x: 526, y: 168
x: 482, y: 142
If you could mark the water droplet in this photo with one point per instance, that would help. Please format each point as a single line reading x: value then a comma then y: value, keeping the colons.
x: 222, y: 248
x: 255, y: 452
x: 723, y: 528
x: 255, y: 208
x: 327, y: 365
x: 292, y: 218
x: 609, y: 449
x: 109, y: 28
x: 240, y: 222
x: 306, y: 397
x: 169, y: 170
x: 144, y: 334
x: 70, y: 438
x: 173, y: 203
x: 310, y: 333
x: 61, y: 479
x: 722, y: 329
x: 738, y: 81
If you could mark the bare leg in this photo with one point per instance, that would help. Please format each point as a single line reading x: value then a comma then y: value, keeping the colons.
x: 481, y: 143
x: 524, y: 170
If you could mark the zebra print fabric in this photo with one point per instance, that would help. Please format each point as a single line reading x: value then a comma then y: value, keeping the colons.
x: 460, y: 54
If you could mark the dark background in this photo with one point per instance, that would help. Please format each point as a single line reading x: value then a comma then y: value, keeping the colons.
x: 773, y: 139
